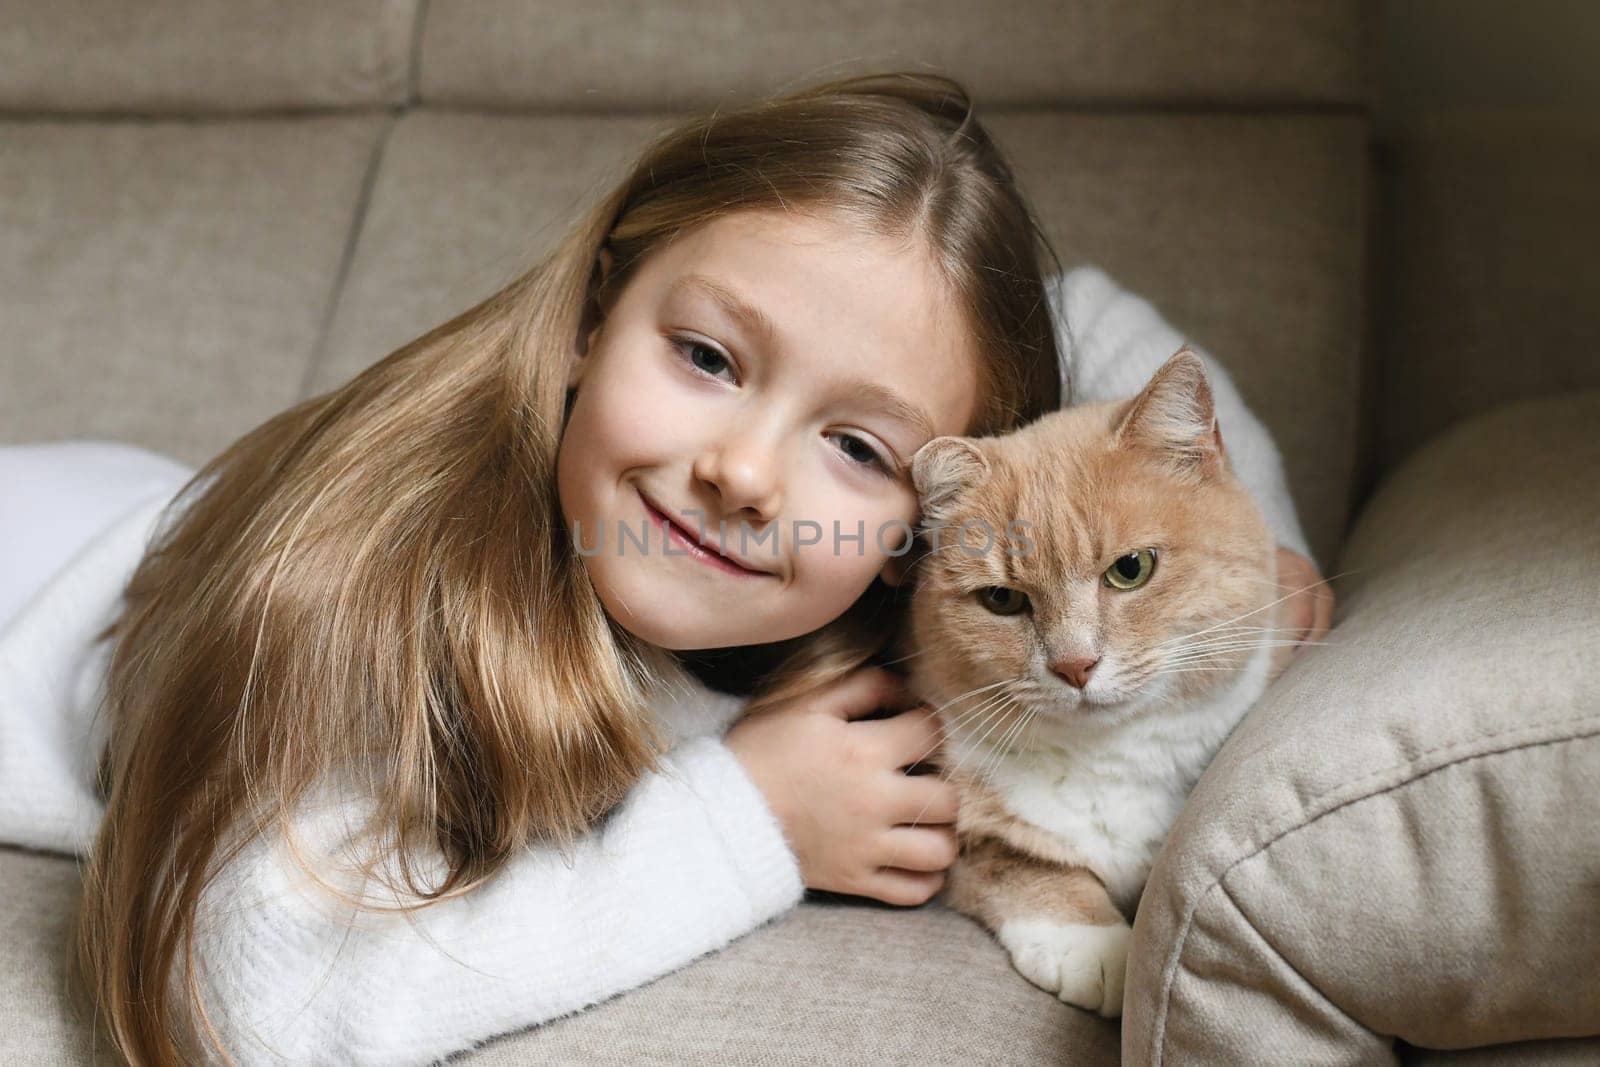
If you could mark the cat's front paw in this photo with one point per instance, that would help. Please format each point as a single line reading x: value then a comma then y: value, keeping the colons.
x: 1082, y: 964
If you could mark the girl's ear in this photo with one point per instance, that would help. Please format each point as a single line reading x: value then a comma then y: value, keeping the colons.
x: 578, y: 361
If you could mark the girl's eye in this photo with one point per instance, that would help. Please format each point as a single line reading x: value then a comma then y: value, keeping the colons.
x: 689, y: 347
x: 698, y: 354
x: 867, y: 456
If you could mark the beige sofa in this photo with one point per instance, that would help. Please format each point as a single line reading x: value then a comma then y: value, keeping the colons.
x: 209, y: 211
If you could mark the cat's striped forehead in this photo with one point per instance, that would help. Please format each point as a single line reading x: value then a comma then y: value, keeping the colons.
x: 1082, y: 500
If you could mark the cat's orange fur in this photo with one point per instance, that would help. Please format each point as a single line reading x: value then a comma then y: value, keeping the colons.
x: 1094, y: 482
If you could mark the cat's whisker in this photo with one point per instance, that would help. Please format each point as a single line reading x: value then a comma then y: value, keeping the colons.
x: 1219, y: 648
x: 966, y: 718
x: 974, y: 720
x: 947, y: 772
x: 1242, y: 642
x: 993, y: 721
x: 909, y: 655
x: 973, y: 692
x: 1231, y: 644
x: 1002, y: 747
x: 950, y: 726
x: 929, y: 554
x: 1237, y: 646
x: 1255, y: 611
x: 1016, y: 734
x: 1200, y: 656
x: 1007, y: 705
x: 1323, y: 581
x: 1259, y: 635
x: 1239, y: 629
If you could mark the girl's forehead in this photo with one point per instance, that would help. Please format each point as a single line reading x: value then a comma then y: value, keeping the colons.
x: 834, y: 304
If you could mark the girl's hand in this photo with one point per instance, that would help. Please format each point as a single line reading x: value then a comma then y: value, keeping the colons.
x: 837, y: 785
x: 1309, y: 607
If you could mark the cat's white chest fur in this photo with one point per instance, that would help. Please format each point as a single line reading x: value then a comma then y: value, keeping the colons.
x: 1111, y: 794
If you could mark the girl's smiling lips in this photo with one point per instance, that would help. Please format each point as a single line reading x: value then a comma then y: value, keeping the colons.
x: 708, y: 553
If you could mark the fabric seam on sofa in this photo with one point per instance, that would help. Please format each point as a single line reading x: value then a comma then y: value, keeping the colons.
x: 419, y: 17
x: 1169, y: 972
x: 347, y: 255
x: 1310, y: 986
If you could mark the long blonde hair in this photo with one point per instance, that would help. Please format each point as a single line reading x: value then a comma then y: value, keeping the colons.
x: 380, y: 576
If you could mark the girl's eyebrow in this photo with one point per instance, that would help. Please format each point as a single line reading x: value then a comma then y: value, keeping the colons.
x: 873, y: 394
x: 736, y: 306
x: 886, y: 401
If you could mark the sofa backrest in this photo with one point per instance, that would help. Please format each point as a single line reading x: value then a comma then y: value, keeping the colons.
x: 208, y: 212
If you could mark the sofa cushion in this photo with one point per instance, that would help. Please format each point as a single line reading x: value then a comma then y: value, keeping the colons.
x: 166, y: 283
x: 636, y: 54
x: 837, y: 980
x: 1403, y: 838
x: 196, y: 56
x: 1246, y: 233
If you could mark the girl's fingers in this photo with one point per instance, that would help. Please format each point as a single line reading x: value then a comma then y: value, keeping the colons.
x: 920, y: 848
x: 925, y: 799
x: 913, y: 736
x: 1323, y: 619
x: 893, y: 885
x: 864, y: 691
x: 1309, y: 609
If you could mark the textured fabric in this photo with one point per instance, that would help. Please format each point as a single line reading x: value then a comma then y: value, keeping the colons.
x: 1246, y: 232
x: 164, y: 283
x: 50, y: 674
x: 635, y: 54
x: 1492, y: 282
x: 1561, y: 1052
x: 56, y: 496
x: 1403, y: 839
x: 185, y: 56
x: 835, y: 980
x: 181, y: 56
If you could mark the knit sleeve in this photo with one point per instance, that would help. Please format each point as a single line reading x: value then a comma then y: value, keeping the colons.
x: 690, y: 860
x: 1112, y: 341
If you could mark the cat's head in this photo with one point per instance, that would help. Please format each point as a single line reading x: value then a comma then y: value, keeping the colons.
x: 1101, y: 560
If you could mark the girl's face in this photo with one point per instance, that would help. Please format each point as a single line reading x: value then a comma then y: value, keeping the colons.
x: 793, y: 424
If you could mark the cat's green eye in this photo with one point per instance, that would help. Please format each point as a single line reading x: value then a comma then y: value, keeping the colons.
x: 1001, y: 600
x: 1133, y: 570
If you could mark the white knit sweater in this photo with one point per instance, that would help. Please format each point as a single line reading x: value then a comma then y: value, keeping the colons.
x: 692, y: 858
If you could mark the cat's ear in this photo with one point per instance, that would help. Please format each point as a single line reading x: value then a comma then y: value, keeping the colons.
x: 942, y: 468
x: 1175, y: 416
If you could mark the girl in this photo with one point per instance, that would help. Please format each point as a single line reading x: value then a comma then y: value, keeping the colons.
x: 396, y: 758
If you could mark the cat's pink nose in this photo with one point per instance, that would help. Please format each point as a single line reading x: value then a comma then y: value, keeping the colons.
x: 1075, y: 671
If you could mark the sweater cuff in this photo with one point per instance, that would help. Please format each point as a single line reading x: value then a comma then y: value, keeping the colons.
x: 738, y: 811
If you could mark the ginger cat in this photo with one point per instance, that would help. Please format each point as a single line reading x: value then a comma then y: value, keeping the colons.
x: 1089, y: 663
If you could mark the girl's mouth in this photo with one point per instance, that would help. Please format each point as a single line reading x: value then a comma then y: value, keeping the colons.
x: 684, y: 540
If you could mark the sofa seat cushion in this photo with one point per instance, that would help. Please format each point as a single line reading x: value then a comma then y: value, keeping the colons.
x: 837, y: 980
x: 1403, y: 839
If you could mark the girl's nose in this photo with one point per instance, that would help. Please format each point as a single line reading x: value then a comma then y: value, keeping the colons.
x: 743, y: 470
